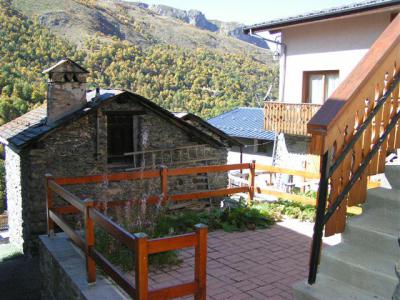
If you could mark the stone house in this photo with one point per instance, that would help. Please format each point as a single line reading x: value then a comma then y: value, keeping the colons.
x: 96, y: 132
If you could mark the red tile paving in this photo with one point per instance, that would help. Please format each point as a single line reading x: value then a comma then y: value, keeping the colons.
x: 261, y: 264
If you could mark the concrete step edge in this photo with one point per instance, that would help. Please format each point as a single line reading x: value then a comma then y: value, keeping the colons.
x: 328, y: 288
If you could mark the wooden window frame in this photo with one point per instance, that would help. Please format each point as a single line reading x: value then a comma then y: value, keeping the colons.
x: 134, y: 142
x: 306, y: 82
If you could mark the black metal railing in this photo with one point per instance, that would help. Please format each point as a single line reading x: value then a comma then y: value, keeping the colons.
x: 327, y: 170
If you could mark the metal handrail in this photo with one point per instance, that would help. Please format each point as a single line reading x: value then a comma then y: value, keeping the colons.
x: 327, y: 171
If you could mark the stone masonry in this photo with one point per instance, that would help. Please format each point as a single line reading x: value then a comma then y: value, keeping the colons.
x: 68, y: 137
x: 80, y: 148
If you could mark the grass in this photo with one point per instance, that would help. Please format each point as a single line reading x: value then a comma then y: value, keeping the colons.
x: 8, y: 251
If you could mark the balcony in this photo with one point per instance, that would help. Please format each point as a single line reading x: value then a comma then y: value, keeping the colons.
x: 290, y: 118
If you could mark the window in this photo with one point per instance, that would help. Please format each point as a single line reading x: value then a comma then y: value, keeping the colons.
x: 262, y: 146
x: 122, y: 129
x: 319, y: 85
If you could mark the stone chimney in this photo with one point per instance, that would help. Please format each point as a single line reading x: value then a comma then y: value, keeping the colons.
x: 66, y: 89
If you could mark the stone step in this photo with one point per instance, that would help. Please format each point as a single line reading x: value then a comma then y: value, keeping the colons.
x: 375, y: 232
x: 362, y: 267
x: 328, y: 288
x: 382, y: 202
x: 392, y: 173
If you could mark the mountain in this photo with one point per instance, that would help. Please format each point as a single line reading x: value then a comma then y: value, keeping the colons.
x: 126, y: 46
x: 198, y: 19
x: 78, y: 20
x: 121, y: 53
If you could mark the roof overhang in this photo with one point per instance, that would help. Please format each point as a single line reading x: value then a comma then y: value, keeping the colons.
x: 364, y: 8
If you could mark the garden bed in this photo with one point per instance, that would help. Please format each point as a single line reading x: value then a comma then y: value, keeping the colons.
x: 158, y: 221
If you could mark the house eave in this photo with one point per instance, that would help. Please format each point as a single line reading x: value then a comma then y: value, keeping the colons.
x: 278, y: 25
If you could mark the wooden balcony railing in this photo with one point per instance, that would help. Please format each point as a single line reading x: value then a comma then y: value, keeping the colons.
x: 290, y: 118
x: 353, y: 132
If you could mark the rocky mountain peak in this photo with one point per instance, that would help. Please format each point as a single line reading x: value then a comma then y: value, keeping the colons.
x: 198, y: 19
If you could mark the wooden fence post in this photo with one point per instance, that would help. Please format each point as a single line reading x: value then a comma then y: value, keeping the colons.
x: 141, y: 266
x: 200, y: 267
x: 252, y: 173
x: 89, y: 236
x: 49, y: 205
x: 164, y: 182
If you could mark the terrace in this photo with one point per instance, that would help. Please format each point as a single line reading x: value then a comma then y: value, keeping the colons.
x: 352, y: 133
x: 227, y: 253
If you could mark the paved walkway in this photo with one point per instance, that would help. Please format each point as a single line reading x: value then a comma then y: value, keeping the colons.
x: 261, y: 264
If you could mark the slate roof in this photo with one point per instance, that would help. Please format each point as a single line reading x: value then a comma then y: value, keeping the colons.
x: 201, y: 123
x: 243, y: 122
x: 73, y: 66
x: 322, y: 14
x: 31, y: 126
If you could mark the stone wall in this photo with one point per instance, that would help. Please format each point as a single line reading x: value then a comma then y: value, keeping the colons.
x: 63, y: 273
x: 80, y: 148
x: 14, y: 188
x: 297, y: 144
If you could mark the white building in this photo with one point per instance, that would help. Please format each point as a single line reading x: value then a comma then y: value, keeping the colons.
x: 319, y: 49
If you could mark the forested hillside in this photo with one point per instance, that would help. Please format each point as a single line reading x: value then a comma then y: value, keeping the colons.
x: 201, y: 81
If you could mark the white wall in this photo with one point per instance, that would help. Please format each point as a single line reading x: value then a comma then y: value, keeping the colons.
x: 234, y: 158
x: 329, y: 45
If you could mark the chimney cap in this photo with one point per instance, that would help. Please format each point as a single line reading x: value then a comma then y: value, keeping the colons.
x: 66, y: 65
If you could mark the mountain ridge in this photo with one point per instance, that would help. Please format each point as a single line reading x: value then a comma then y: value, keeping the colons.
x: 79, y: 20
x: 198, y: 19
x: 202, y: 80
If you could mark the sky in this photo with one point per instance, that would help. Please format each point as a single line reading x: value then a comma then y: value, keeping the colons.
x: 250, y: 11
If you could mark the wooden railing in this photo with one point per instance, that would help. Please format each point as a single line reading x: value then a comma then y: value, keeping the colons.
x: 164, y: 173
x: 353, y: 131
x: 290, y: 118
x: 138, y: 243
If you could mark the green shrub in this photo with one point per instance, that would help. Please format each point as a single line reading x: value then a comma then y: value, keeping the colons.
x: 288, y: 208
x: 157, y: 222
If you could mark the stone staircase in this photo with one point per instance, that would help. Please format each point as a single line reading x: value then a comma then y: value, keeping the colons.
x: 362, y: 266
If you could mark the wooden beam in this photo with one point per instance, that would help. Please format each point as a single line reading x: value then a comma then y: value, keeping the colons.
x: 66, y: 195
x: 200, y: 262
x: 108, y: 177
x: 141, y: 267
x: 274, y: 169
x: 171, y: 243
x: 68, y: 230
x: 113, y: 228
x: 287, y: 196
x: 113, y: 272
x: 208, y: 194
x: 176, y: 291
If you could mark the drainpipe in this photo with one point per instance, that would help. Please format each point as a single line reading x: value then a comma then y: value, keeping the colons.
x: 241, y: 157
x: 282, y: 63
